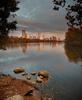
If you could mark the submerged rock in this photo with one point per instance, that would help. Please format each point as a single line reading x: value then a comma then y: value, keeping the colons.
x: 18, y: 70
x: 41, y: 77
x: 28, y: 77
x: 46, y: 98
x: 44, y: 79
x: 43, y: 73
x: 2, y: 75
x: 29, y: 93
x: 33, y: 82
x: 33, y: 73
x: 39, y: 80
x: 16, y: 97
x: 24, y: 74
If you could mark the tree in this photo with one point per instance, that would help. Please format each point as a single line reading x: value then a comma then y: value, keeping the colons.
x: 74, y: 17
x: 74, y: 12
x: 74, y: 20
x: 7, y: 9
x: 58, y: 3
x: 74, y: 36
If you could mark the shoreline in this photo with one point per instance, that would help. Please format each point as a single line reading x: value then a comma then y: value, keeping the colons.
x: 10, y: 86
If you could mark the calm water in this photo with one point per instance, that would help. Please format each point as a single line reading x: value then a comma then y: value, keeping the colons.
x: 63, y: 63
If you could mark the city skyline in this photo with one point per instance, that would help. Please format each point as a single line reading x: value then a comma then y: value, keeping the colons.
x: 57, y: 34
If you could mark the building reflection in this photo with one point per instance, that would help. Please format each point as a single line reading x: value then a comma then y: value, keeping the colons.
x: 29, y: 46
x: 24, y: 47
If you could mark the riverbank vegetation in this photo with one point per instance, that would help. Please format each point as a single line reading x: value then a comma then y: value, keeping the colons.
x: 74, y: 37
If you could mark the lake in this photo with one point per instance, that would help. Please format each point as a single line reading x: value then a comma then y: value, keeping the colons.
x: 64, y: 64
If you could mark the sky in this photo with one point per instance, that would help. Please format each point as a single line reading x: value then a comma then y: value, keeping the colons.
x: 39, y: 16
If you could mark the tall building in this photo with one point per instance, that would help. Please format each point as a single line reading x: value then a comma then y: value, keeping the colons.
x: 39, y: 35
x: 24, y: 34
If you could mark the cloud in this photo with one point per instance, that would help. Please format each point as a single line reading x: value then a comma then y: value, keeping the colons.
x: 36, y: 26
x: 38, y: 15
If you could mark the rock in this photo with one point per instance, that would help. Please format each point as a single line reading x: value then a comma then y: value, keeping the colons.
x: 43, y: 73
x: 29, y: 93
x: 16, y: 97
x: 33, y: 81
x: 28, y: 77
x: 18, y: 70
x: 41, y: 77
x: 2, y: 75
x: 46, y: 98
x: 49, y: 98
x: 24, y: 74
x: 39, y: 80
x: 33, y: 73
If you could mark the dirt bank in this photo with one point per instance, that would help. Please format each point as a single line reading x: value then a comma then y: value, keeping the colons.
x: 10, y: 86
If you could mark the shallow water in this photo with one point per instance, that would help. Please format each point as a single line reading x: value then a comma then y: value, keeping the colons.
x: 63, y: 63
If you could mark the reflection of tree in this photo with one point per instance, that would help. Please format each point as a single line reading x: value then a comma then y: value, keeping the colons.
x: 3, y: 42
x: 3, y: 46
x: 73, y: 53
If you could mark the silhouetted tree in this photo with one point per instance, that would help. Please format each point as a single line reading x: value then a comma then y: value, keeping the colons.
x: 7, y: 9
x: 74, y: 20
x: 58, y: 3
x: 74, y: 12
x: 74, y: 17
x: 74, y: 36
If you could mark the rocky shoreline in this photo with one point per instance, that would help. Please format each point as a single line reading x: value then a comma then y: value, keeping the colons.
x: 13, y: 88
x: 18, y: 89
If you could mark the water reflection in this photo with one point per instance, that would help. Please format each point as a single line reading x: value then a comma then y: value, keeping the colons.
x: 51, y: 57
x: 26, y: 46
x: 74, y: 53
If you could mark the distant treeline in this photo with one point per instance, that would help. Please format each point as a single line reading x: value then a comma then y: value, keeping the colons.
x: 74, y: 36
x: 24, y: 40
